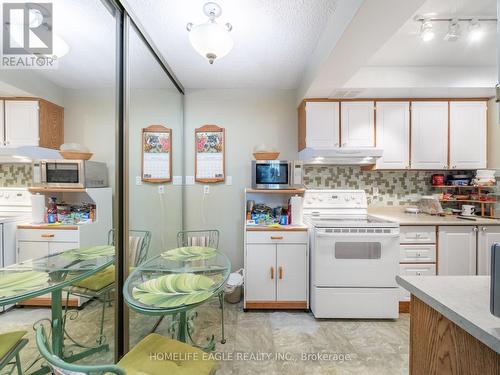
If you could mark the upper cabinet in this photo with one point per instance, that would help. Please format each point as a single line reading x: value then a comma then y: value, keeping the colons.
x: 393, y: 134
x: 32, y: 123
x: 468, y: 135
x: 358, y: 124
x: 429, y: 135
x: 321, y: 125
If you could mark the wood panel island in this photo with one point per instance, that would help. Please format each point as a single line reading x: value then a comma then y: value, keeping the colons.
x: 451, y: 328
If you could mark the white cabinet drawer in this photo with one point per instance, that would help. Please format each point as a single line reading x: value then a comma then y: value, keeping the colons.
x: 48, y: 235
x: 417, y: 253
x: 417, y: 234
x: 414, y: 270
x: 277, y: 237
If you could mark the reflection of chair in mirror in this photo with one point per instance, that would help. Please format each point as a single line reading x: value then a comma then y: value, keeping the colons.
x: 138, y: 360
x: 11, y: 344
x: 101, y: 284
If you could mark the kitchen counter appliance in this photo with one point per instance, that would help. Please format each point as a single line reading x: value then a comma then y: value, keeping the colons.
x: 354, y: 257
x: 79, y: 174
x: 276, y: 174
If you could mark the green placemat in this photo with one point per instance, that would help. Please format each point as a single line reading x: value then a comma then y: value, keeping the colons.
x: 174, y: 290
x: 19, y: 282
x: 189, y: 253
x: 88, y: 253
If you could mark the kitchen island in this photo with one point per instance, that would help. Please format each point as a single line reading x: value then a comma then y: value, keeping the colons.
x: 451, y: 328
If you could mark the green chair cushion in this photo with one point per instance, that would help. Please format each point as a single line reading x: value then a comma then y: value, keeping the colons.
x: 99, y: 280
x: 8, y: 341
x: 156, y: 354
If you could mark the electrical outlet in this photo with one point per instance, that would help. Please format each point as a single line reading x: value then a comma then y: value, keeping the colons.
x: 161, y: 189
x: 375, y: 191
x: 138, y: 180
x: 206, y: 189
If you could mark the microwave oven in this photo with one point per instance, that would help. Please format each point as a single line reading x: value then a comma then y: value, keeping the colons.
x: 66, y: 173
x: 276, y: 174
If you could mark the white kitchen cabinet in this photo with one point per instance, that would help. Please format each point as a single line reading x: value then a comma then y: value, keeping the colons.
x: 358, y: 124
x: 468, y: 124
x: 487, y: 236
x: 291, y: 262
x: 429, y: 135
x: 57, y: 247
x: 21, y: 123
x: 393, y: 134
x: 457, y: 250
x: 260, y: 272
x: 322, y: 125
x: 31, y: 250
x: 414, y: 270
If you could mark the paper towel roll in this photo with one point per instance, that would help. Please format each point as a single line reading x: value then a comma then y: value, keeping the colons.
x: 296, y: 203
x: 37, y: 208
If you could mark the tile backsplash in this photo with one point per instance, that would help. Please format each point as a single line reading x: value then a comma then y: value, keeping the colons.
x: 394, y: 187
x: 13, y: 175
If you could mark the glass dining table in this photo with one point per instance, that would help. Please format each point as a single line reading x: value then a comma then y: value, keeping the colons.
x: 177, y: 281
x: 50, y: 274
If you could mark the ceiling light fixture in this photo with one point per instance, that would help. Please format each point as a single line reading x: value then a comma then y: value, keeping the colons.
x: 210, y: 39
x: 475, y: 31
x: 426, y: 31
x: 453, y: 33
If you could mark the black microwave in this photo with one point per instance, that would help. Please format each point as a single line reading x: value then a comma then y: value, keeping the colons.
x: 276, y: 174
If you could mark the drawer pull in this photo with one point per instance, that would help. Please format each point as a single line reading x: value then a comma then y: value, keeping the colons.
x: 419, y: 273
x: 47, y: 235
x: 418, y: 254
x: 272, y: 273
x: 280, y: 272
x: 276, y: 237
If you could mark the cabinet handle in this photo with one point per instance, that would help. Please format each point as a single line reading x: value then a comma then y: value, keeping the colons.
x: 418, y: 254
x: 276, y: 237
x: 419, y: 273
x: 47, y: 235
x: 280, y: 272
x: 272, y: 273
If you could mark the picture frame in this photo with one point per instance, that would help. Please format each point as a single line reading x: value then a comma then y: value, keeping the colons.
x: 156, y: 146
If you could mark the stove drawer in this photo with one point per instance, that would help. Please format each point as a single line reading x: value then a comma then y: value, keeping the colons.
x: 277, y: 237
x: 417, y: 234
x: 417, y: 253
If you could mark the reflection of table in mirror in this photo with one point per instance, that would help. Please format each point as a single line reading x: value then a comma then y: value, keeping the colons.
x: 50, y: 274
x: 176, y: 282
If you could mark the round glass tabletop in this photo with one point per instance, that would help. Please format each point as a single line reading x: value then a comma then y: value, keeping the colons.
x: 177, y: 280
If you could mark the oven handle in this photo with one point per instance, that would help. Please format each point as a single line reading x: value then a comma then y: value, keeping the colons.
x: 363, y: 235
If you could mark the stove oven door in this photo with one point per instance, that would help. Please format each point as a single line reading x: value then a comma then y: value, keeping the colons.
x: 357, y: 257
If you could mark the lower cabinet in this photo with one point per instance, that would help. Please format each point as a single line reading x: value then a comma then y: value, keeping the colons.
x: 276, y: 272
x: 423, y: 269
x: 457, y: 250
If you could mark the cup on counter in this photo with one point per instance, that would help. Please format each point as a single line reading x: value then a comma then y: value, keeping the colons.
x: 468, y: 210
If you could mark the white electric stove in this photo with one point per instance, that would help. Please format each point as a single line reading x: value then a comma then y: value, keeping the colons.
x: 354, y: 257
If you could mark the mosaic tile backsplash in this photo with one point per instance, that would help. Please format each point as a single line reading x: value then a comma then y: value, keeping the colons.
x: 395, y: 187
x: 13, y: 175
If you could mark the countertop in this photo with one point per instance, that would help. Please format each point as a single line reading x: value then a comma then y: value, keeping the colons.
x: 465, y: 300
x: 396, y: 213
x: 47, y: 226
x: 284, y: 228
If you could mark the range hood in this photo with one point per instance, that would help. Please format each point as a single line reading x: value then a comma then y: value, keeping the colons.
x: 26, y: 154
x: 341, y: 155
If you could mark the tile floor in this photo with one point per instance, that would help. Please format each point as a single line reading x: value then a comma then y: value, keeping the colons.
x: 259, y: 342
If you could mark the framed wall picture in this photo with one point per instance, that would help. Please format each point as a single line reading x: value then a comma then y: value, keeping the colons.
x: 156, y: 154
x: 210, y: 144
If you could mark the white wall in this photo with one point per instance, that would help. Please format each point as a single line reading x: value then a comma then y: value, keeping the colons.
x: 493, y: 135
x: 250, y: 117
x: 29, y: 83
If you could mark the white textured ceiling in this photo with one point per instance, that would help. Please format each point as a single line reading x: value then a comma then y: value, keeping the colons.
x: 272, y: 40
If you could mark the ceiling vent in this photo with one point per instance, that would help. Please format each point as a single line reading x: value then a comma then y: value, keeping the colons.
x: 346, y: 93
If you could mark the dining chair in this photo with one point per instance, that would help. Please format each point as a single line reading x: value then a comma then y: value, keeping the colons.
x: 101, y: 284
x: 154, y: 354
x: 205, y: 238
x: 11, y: 344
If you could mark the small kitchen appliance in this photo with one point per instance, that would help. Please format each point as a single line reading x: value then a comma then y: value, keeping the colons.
x: 354, y: 257
x: 276, y: 174
x: 70, y: 174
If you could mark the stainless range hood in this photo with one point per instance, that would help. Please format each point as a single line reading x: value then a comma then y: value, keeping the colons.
x: 26, y: 154
x: 341, y: 156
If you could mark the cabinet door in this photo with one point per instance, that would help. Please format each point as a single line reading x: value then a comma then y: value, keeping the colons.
x: 429, y: 135
x: 393, y: 134
x: 31, y: 250
x: 51, y: 125
x: 260, y: 272
x: 468, y: 135
x: 358, y: 124
x: 457, y: 250
x: 291, y: 263
x: 58, y: 247
x: 487, y: 236
x: 21, y: 123
x: 322, y: 125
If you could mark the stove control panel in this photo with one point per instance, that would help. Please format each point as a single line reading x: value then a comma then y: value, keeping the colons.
x: 327, y: 199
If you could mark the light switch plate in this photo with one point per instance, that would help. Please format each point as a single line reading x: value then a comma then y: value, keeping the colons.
x: 138, y: 180
x: 189, y: 180
x: 229, y: 180
x: 206, y: 189
x: 177, y: 180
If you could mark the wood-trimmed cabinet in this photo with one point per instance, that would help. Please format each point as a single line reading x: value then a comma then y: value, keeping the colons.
x: 276, y: 270
x: 31, y: 122
x: 357, y: 123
